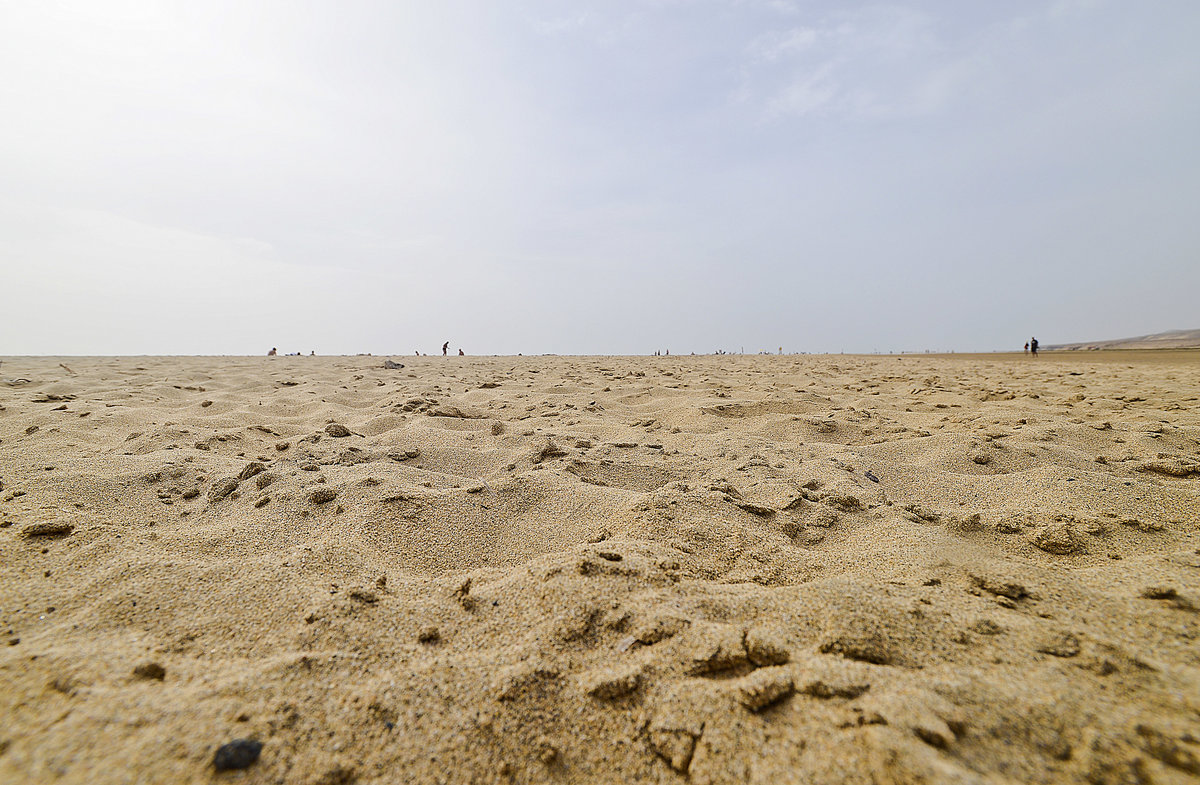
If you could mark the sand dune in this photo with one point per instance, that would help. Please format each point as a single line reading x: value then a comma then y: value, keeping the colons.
x: 1172, y: 339
x: 601, y: 569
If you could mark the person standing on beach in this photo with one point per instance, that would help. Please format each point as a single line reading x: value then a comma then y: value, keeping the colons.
x: 1027, y: 347
x: 1033, y: 344
x: 445, y: 348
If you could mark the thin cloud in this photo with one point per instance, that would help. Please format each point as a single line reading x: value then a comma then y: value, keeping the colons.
x: 875, y: 63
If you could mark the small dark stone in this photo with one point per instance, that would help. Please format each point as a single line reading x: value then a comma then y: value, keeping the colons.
x: 251, y: 469
x: 48, y: 529
x: 322, y: 495
x: 150, y: 670
x: 337, y: 430
x: 237, y: 754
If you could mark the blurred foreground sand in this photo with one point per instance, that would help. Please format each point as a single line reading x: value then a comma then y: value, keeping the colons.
x: 816, y: 569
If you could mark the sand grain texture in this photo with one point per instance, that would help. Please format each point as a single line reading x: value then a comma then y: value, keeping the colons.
x: 705, y: 569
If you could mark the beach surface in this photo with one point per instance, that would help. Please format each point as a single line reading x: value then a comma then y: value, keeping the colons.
x: 717, y: 569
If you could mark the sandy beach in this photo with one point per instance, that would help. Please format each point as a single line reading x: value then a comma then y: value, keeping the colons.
x: 717, y: 569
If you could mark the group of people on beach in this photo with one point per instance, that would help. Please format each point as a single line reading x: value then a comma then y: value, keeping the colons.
x: 1031, y: 346
x: 445, y: 349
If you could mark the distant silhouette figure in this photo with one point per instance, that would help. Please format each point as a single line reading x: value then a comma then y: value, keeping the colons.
x: 1027, y: 347
x: 461, y: 353
x: 273, y: 352
x: 445, y: 348
x: 1033, y: 346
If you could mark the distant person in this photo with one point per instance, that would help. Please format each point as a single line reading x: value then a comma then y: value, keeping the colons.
x: 273, y: 352
x: 419, y: 352
x: 1033, y: 346
x: 313, y: 353
x: 445, y: 348
x: 1027, y: 347
x: 461, y: 353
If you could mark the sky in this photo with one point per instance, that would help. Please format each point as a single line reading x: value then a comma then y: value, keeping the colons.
x: 615, y: 177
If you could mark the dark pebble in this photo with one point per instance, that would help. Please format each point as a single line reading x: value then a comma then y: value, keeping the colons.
x: 48, y: 529
x: 251, y: 469
x: 322, y: 495
x: 150, y: 670
x: 237, y: 754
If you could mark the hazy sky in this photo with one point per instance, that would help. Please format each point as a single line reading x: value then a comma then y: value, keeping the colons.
x: 595, y: 177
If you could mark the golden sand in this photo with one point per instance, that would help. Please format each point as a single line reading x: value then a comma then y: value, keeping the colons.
x: 815, y: 569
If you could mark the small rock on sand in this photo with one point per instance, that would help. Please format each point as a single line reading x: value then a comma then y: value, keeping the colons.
x: 222, y: 488
x: 237, y: 754
x: 251, y: 469
x: 337, y: 430
x: 150, y: 671
x: 48, y: 529
x: 322, y: 495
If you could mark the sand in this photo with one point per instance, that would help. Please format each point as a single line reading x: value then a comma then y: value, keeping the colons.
x: 816, y: 569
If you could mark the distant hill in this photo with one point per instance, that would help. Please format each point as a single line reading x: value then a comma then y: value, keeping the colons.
x: 1172, y: 339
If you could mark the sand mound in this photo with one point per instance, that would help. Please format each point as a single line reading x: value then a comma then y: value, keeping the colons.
x: 715, y: 569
